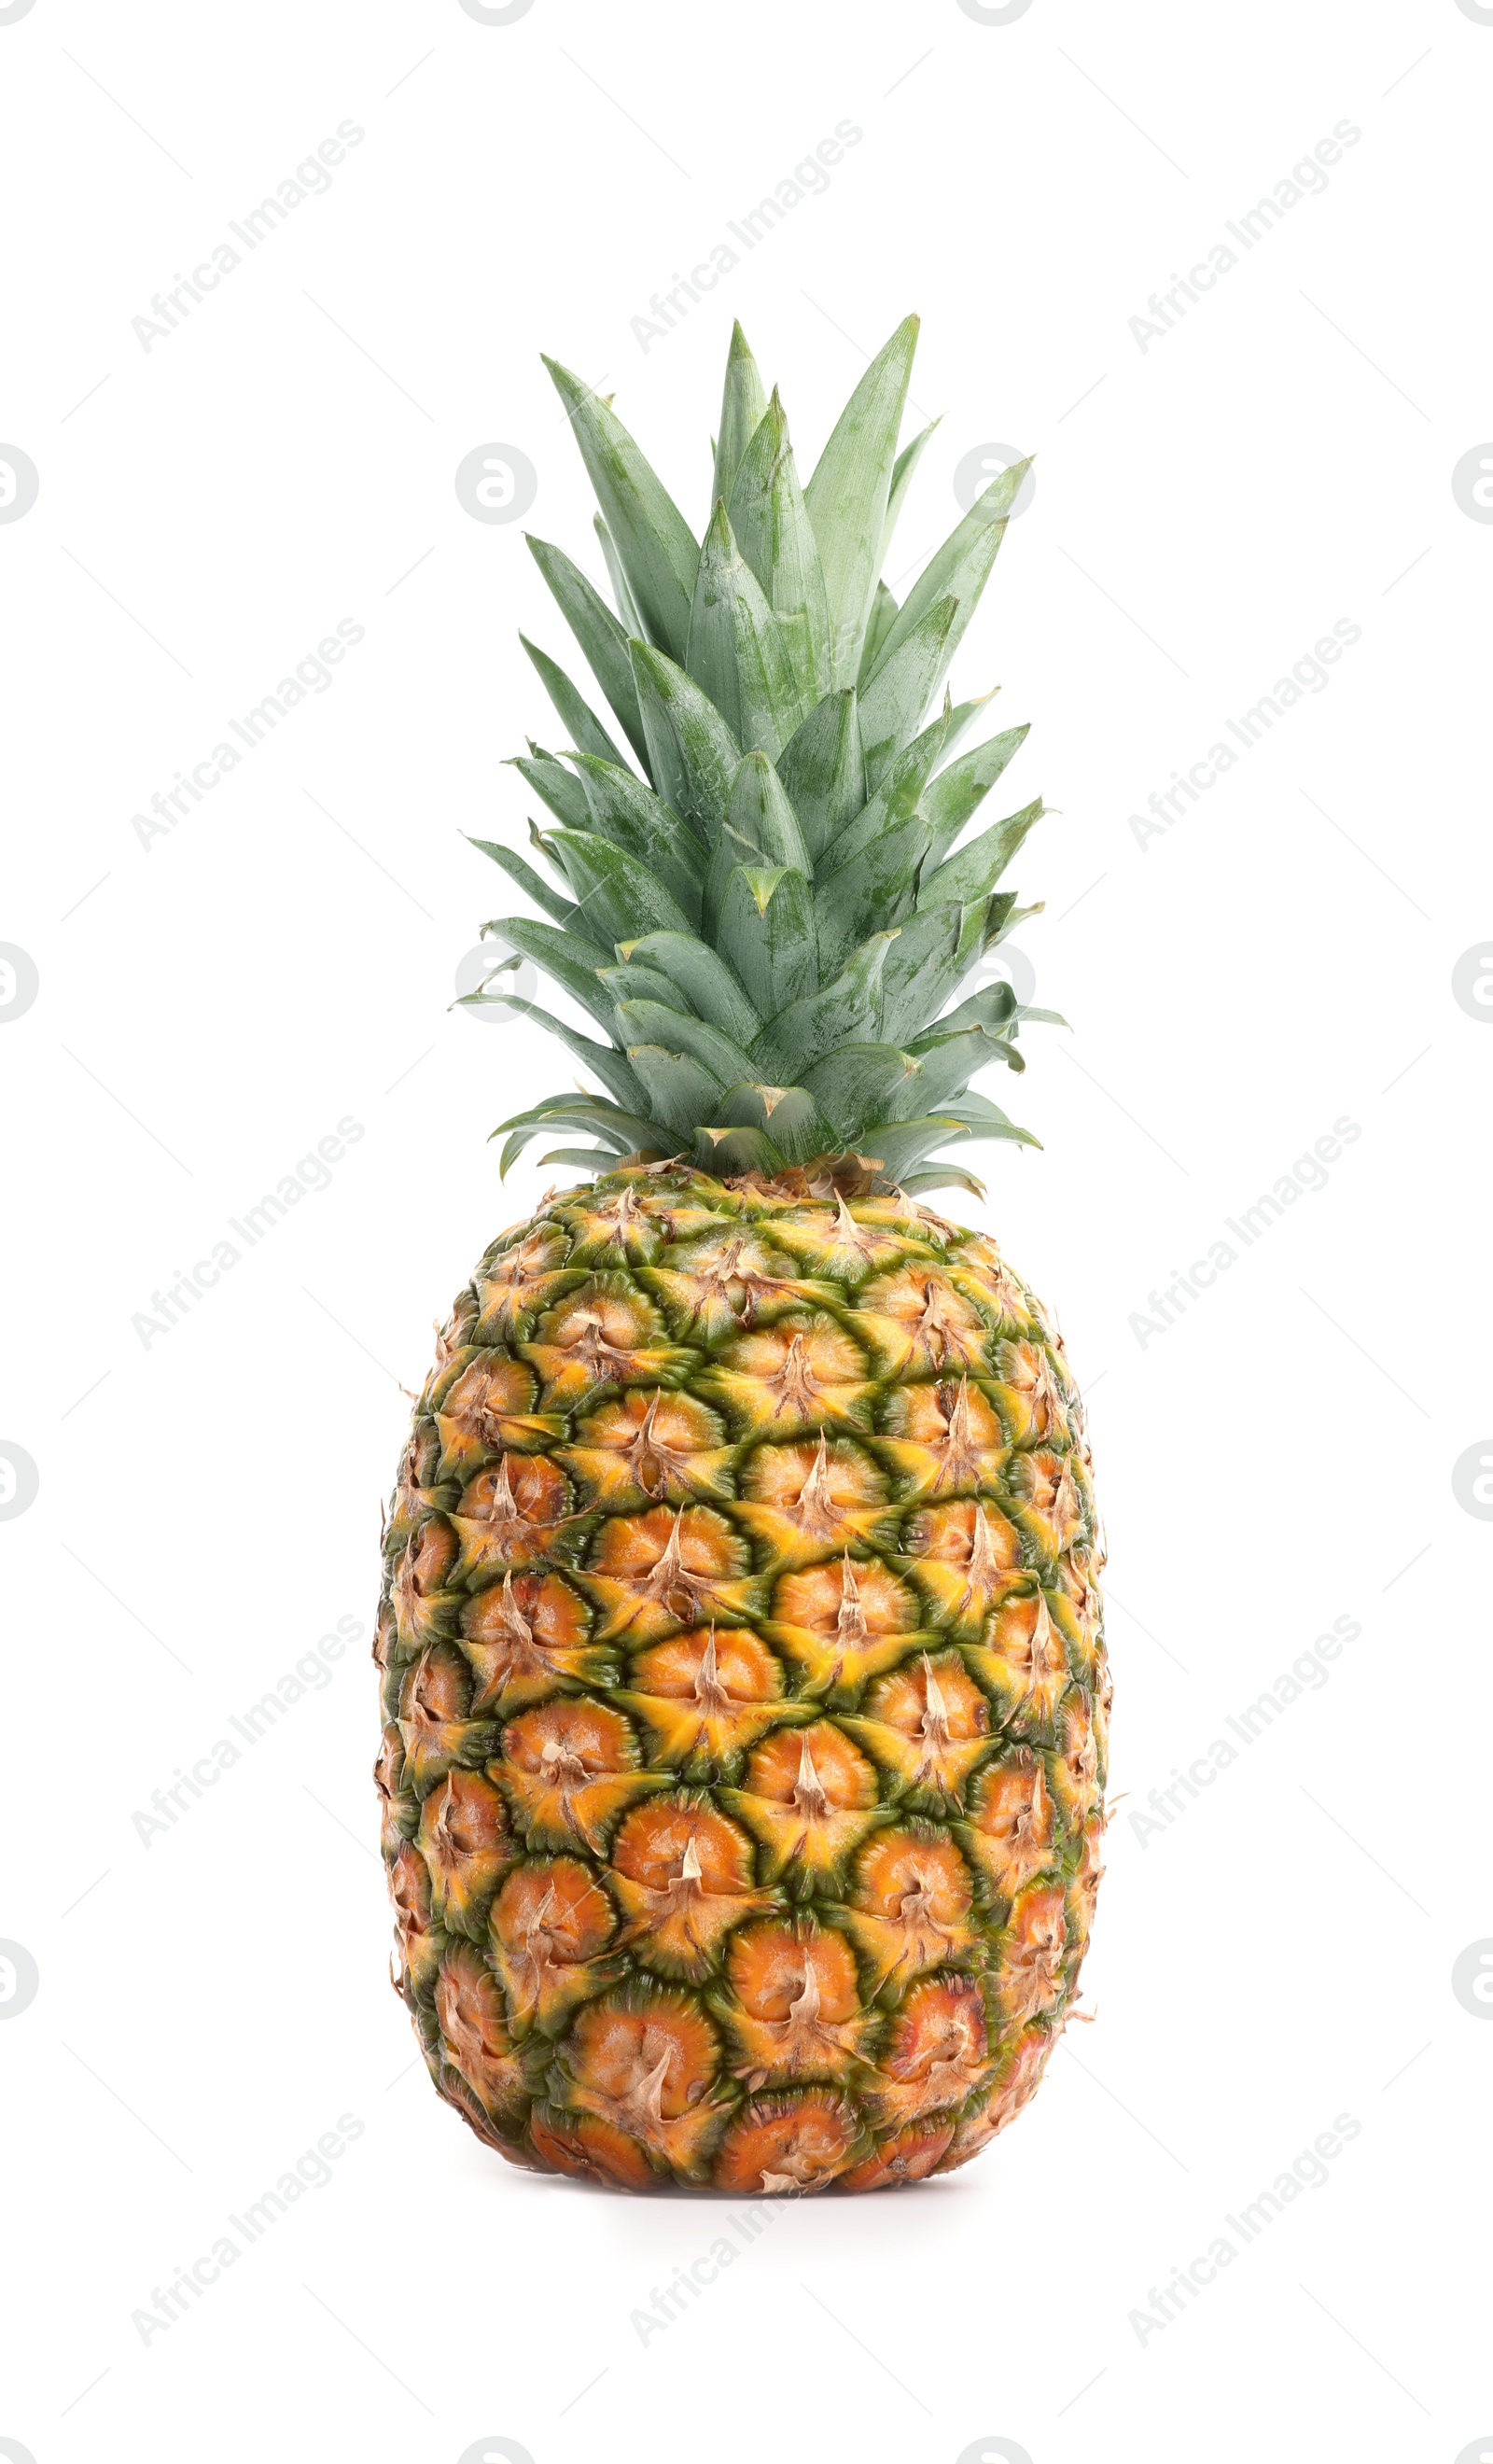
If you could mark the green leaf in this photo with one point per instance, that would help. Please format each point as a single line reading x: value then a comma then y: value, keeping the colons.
x: 955, y: 793
x: 600, y: 635
x: 935, y: 950
x: 580, y: 720
x: 682, y: 1092
x: 555, y: 786
x: 736, y: 646
x: 600, y: 1059
x: 877, y: 887
x: 878, y: 625
x: 942, y: 1177
x: 976, y: 870
x: 760, y: 813
x: 703, y: 980
x: 896, y: 799
x: 899, y: 1144
x: 572, y: 962
x: 632, y: 817
x: 742, y: 409
x: 622, y: 898
x: 766, y: 930
x: 531, y: 883
x: 961, y: 567
x: 646, y: 1022
x: 627, y: 983
x: 654, y: 542
x: 772, y: 530
x: 984, y: 1119
x: 945, y: 1065
x: 847, y: 1010
x: 595, y: 1161
x: 788, y: 1115
x: 848, y: 495
x: 892, y: 707
x: 993, y: 1008
x: 821, y: 771
x: 903, y: 468
x: 859, y: 1083
x: 632, y: 624
x: 692, y: 752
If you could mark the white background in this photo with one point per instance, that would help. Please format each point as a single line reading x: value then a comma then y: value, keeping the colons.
x: 1206, y: 509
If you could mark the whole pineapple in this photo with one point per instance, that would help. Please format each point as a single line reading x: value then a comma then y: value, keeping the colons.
x: 743, y: 1681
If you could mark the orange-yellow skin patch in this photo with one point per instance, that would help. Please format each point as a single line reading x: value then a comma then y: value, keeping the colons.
x: 1017, y: 2079
x: 811, y: 1500
x: 705, y: 1696
x: 1012, y: 1826
x: 470, y: 2008
x: 398, y: 1806
x: 550, y: 1925
x: 682, y: 1875
x: 643, y: 1449
x: 488, y: 1406
x: 797, y: 2010
x: 648, y: 2071
x: 510, y: 1515
x: 983, y: 1270
x: 921, y: 1327
x: 1024, y: 1660
x: 945, y: 1439
x: 1079, y: 1608
x: 722, y: 1285
x: 530, y: 1276
x: 652, y: 1573
x: 1032, y: 1394
x: 419, y: 1939
x: 1076, y: 1774
x: 847, y: 1245
x: 795, y: 2144
x: 423, y: 1607
x: 802, y: 1373
x: 432, y: 1717
x: 596, y: 1338
x: 567, y: 1769
x: 905, y: 2156
x: 525, y: 1639
x: 962, y: 1557
x: 938, y: 2055
x: 911, y: 1906
x: 842, y: 1624
x: 810, y: 1797
x: 1033, y: 1947
x: 465, y: 1842
x: 1049, y: 1488
x: 928, y: 1724
x: 620, y: 1230
x: 418, y: 1491
x: 591, y: 2149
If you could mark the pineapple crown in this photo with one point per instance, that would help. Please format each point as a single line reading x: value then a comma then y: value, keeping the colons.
x: 769, y: 922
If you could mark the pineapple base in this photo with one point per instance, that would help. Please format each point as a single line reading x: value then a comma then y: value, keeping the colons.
x: 744, y: 1690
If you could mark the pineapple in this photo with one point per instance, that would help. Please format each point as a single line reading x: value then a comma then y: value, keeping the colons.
x: 742, y: 1674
